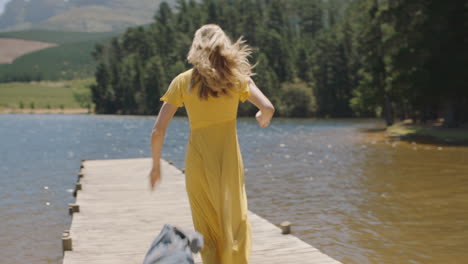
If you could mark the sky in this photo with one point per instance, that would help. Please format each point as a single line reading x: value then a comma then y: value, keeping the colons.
x: 2, y: 5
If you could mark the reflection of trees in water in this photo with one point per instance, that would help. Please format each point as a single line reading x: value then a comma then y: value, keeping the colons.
x: 416, y: 200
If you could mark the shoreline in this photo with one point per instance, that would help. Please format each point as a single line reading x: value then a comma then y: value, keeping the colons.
x: 432, y: 134
x: 45, y: 111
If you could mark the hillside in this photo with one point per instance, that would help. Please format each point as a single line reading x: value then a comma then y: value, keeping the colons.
x: 77, y: 15
x: 69, y: 60
x: 58, y: 37
x: 13, y: 48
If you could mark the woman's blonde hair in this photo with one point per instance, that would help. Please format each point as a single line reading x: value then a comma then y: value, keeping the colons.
x: 218, y: 64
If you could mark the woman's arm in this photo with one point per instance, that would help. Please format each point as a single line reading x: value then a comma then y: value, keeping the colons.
x: 266, y: 108
x: 165, y: 115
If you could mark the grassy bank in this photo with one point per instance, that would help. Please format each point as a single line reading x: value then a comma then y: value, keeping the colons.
x: 44, y: 111
x: 429, y: 133
x: 61, y: 95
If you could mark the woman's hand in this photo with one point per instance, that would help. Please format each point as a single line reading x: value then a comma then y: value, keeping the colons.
x: 155, y: 175
x: 263, y: 119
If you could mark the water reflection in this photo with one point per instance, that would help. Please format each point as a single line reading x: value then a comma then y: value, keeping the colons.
x: 419, y: 204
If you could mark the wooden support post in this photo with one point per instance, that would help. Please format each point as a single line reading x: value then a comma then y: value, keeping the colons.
x: 66, y: 241
x: 73, y: 208
x: 285, y: 227
x: 77, y: 188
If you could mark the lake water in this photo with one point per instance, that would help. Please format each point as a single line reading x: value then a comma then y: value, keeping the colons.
x: 357, y: 200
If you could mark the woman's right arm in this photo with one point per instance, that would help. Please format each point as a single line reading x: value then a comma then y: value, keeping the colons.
x: 266, y: 108
x: 158, y: 132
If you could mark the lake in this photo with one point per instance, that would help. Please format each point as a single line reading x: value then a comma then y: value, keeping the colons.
x: 358, y: 200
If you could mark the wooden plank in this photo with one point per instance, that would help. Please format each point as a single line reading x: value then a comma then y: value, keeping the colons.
x: 119, y: 217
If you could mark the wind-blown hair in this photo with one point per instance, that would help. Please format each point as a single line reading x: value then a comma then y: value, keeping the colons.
x: 218, y: 64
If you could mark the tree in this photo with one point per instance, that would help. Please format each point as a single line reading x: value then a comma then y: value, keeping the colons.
x: 155, y: 82
x: 374, y: 69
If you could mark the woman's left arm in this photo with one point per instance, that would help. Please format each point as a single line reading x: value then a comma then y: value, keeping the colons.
x: 165, y: 115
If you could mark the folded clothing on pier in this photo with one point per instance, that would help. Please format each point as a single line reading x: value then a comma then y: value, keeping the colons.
x: 174, y: 246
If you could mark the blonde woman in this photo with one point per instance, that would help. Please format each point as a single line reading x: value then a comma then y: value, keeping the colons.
x: 214, y: 171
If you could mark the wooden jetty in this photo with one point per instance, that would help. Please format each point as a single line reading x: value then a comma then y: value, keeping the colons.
x: 116, y: 217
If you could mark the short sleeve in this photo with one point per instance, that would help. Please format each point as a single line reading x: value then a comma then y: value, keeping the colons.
x: 244, y: 92
x: 173, y: 94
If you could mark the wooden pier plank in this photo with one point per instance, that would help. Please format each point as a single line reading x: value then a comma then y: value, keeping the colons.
x: 119, y: 217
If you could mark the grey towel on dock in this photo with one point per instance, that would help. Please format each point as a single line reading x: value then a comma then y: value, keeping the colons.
x: 174, y: 246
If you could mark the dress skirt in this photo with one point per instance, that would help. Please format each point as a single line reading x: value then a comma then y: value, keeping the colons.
x: 214, y: 174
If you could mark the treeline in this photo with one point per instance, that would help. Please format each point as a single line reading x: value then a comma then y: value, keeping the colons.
x: 396, y: 59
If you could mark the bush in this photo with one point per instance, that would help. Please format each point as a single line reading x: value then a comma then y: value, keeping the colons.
x: 296, y: 100
x: 83, y: 97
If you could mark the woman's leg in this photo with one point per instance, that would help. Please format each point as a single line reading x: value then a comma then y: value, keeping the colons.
x: 236, y: 225
x: 204, y: 215
x: 237, y: 246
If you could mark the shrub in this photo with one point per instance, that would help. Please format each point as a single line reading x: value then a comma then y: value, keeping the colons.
x: 296, y: 100
x: 82, y: 97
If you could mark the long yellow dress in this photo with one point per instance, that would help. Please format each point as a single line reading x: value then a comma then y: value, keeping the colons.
x: 214, y: 171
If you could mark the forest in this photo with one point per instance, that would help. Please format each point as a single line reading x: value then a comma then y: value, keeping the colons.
x: 399, y: 59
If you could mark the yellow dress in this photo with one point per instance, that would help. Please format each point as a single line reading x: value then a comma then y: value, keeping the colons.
x: 214, y: 171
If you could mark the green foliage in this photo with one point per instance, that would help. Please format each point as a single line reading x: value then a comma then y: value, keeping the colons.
x: 134, y: 71
x: 429, y: 58
x: 413, y: 60
x: 297, y: 100
x: 333, y: 58
x: 82, y: 97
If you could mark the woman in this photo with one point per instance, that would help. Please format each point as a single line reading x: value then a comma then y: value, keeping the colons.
x: 214, y: 171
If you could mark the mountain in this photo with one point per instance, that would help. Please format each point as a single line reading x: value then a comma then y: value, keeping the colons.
x: 78, y: 15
